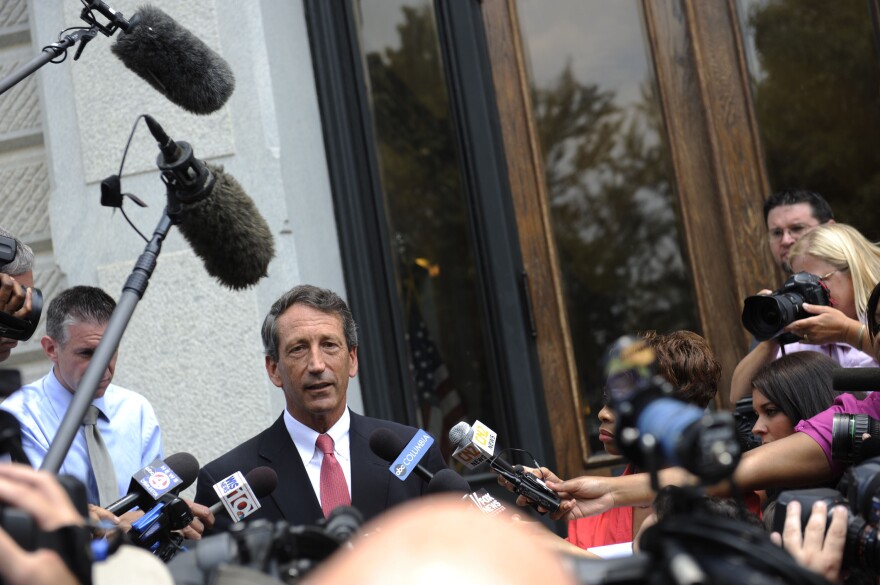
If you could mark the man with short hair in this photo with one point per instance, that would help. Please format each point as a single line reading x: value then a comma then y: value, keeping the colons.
x: 75, y: 323
x: 318, y: 447
x: 15, y: 276
x: 789, y: 215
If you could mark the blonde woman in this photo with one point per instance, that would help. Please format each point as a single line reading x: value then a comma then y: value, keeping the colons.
x: 849, y: 266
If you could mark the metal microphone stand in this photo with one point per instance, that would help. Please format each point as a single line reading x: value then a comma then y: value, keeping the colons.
x: 132, y: 292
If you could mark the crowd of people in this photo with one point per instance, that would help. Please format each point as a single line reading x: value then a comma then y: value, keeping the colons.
x: 320, y: 449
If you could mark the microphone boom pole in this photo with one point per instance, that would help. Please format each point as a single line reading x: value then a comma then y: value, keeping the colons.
x: 132, y: 292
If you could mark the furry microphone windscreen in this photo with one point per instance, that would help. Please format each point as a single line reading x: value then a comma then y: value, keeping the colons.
x: 228, y: 233
x: 175, y: 62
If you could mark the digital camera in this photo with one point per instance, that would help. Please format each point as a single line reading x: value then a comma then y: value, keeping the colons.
x: 766, y: 315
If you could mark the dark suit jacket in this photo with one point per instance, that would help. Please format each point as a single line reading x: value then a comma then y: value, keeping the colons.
x: 374, y: 489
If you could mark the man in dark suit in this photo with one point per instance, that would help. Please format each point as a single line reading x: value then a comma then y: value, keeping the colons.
x: 319, y: 449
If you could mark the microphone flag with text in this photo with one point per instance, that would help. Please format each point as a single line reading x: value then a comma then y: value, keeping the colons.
x: 240, y: 494
x: 173, y: 475
x: 476, y: 445
x: 404, y: 459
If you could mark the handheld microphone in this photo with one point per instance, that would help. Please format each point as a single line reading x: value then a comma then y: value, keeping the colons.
x: 476, y: 445
x: 473, y: 445
x: 240, y: 495
x: 446, y: 480
x: 855, y: 379
x: 174, y: 61
x: 404, y: 459
x: 214, y: 214
x: 184, y: 468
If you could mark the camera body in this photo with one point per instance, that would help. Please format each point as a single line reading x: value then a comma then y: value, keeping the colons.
x: 859, y: 491
x: 766, y: 315
x: 250, y: 551
x: 11, y: 327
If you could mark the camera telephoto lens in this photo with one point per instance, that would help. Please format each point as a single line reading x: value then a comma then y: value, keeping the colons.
x: 846, y: 436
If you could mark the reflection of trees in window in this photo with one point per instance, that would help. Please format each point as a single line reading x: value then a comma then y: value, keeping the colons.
x: 818, y: 102
x: 424, y: 199
x: 614, y: 217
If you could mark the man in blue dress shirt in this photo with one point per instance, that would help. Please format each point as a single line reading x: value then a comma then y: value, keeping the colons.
x: 75, y: 323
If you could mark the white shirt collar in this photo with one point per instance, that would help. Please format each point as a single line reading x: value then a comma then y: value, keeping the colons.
x: 304, y: 437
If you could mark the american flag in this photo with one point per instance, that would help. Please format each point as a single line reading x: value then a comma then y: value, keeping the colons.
x: 440, y: 404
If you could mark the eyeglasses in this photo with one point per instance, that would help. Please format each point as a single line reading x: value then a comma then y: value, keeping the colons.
x: 824, y: 279
x: 796, y: 231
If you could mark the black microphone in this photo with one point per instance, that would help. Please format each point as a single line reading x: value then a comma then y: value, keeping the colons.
x: 262, y: 482
x: 855, y: 379
x: 214, y: 214
x: 184, y: 465
x: 388, y: 446
x: 446, y: 480
x: 174, y: 61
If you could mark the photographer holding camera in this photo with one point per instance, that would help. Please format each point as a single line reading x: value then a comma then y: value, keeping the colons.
x: 16, y: 280
x: 847, y: 266
x: 40, y: 495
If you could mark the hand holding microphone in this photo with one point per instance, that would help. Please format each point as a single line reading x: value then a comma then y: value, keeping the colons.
x: 475, y: 445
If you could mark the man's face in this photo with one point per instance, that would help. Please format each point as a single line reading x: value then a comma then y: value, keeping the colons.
x: 314, y: 365
x: 6, y: 344
x: 72, y: 358
x: 787, y: 224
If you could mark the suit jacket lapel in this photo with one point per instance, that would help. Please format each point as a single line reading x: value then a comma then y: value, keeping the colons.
x: 294, y: 495
x: 369, y: 473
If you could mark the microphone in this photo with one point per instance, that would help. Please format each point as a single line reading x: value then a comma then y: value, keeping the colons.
x: 157, y: 479
x: 240, y: 495
x: 214, y: 214
x: 174, y: 61
x: 476, y: 444
x: 446, y: 480
x: 404, y: 459
x: 855, y: 379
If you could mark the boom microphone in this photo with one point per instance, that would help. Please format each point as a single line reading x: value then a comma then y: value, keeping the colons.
x: 174, y: 61
x: 259, y: 483
x: 184, y: 465
x: 855, y: 379
x: 214, y: 214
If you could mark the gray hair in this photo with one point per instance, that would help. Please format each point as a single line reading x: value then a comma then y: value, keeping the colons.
x: 24, y: 257
x: 321, y: 299
x: 84, y: 304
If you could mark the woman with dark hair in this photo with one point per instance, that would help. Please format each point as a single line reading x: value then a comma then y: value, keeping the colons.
x: 793, y: 388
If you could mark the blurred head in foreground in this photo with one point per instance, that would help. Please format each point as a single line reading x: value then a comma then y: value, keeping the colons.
x: 441, y: 540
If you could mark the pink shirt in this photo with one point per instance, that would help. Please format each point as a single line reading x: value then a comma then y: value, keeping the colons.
x: 819, y: 427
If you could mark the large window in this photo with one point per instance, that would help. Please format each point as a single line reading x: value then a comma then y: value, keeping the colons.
x: 609, y: 182
x: 815, y: 72
x: 426, y: 212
